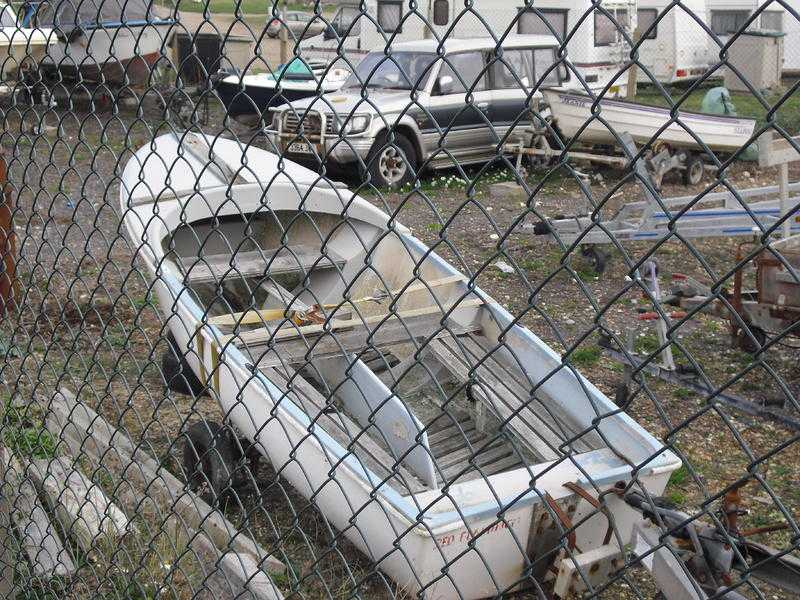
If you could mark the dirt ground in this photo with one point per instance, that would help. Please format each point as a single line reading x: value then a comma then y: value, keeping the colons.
x: 85, y: 320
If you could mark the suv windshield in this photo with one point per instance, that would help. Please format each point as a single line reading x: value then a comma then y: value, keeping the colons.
x: 400, y: 71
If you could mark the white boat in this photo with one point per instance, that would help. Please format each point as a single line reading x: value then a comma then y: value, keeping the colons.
x: 114, y: 42
x: 298, y: 260
x: 572, y: 113
x: 19, y: 45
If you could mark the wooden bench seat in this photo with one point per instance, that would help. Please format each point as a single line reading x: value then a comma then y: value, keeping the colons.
x: 211, y: 268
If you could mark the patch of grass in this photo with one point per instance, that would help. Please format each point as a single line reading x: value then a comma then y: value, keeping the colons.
x: 251, y: 8
x: 533, y: 264
x: 25, y: 435
x: 683, y: 394
x: 30, y: 442
x: 677, y: 498
x: 585, y: 356
x: 679, y: 476
x: 434, y: 227
x: 586, y: 274
x: 647, y: 344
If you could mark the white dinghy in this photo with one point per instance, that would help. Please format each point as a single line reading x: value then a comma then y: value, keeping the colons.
x: 373, y: 376
x: 572, y: 113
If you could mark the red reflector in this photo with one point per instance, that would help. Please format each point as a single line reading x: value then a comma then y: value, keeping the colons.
x: 680, y: 73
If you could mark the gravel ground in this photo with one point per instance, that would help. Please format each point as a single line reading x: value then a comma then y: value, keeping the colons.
x: 85, y: 320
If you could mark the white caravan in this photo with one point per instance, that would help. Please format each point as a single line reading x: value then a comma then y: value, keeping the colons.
x: 726, y: 16
x: 678, y: 48
x: 596, y: 49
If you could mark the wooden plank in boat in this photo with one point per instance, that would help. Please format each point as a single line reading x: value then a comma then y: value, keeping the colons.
x: 476, y: 345
x: 403, y: 326
x: 539, y: 436
x: 211, y: 268
x: 344, y: 430
x: 390, y: 332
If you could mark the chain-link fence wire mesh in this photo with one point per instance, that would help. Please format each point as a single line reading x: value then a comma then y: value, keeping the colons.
x: 398, y: 299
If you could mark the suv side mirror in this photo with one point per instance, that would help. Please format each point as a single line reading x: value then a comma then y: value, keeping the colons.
x: 444, y: 85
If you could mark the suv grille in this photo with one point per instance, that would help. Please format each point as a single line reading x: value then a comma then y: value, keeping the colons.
x: 311, y: 123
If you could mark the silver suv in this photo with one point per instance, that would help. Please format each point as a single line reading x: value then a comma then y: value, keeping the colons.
x: 443, y: 109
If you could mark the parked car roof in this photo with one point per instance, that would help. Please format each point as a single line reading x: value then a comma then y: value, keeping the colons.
x: 482, y: 43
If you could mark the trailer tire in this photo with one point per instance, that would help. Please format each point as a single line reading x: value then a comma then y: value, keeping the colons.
x: 695, y: 169
x: 210, y: 460
x: 597, y: 257
x: 753, y: 344
x: 622, y: 395
x: 178, y: 374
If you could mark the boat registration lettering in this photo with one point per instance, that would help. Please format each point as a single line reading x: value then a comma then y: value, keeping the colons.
x: 300, y: 147
x: 464, y: 536
x: 572, y: 100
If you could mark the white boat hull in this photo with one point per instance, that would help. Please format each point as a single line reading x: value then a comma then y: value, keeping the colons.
x: 411, y: 536
x: 114, y: 54
x: 21, y: 47
x: 573, y: 116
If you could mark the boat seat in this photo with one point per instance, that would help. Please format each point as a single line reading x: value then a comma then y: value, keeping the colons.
x: 213, y: 268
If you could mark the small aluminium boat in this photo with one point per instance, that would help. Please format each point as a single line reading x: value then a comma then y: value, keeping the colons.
x: 408, y: 404
x: 251, y: 96
x: 572, y: 113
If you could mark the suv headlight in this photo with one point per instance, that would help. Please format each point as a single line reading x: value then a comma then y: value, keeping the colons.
x: 356, y: 124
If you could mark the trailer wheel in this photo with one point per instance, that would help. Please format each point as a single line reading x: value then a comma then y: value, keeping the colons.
x: 178, y: 374
x: 751, y: 343
x: 694, y: 170
x: 210, y: 460
x: 597, y: 257
x: 622, y: 395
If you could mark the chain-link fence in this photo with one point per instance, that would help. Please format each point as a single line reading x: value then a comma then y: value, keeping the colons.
x: 393, y: 299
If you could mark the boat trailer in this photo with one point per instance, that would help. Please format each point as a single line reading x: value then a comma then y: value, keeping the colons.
x: 723, y: 214
x: 659, y: 161
x: 755, y: 316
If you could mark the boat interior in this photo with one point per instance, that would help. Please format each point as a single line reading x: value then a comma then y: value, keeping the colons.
x: 362, y: 333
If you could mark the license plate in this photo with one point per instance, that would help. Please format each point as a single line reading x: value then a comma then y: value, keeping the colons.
x: 300, y: 148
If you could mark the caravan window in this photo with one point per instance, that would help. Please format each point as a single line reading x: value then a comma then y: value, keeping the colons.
x: 645, y: 17
x: 390, y: 13
x: 531, y: 22
x: 772, y: 20
x: 725, y: 22
x: 346, y: 18
x: 441, y: 12
x: 608, y: 31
